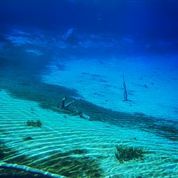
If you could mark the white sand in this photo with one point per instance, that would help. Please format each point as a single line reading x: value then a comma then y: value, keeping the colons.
x: 152, y: 83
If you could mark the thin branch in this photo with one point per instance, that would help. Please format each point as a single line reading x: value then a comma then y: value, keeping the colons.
x: 28, y: 169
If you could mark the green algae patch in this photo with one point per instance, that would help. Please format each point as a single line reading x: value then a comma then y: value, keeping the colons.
x: 73, y: 163
x: 127, y: 153
x: 33, y: 123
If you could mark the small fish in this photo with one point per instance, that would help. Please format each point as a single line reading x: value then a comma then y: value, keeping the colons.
x: 125, y: 90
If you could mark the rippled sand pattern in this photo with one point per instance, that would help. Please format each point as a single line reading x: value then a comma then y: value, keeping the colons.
x: 70, y: 146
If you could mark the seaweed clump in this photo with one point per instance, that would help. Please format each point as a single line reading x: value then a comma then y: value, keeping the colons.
x: 125, y: 153
x: 27, y: 138
x: 33, y: 123
x: 73, y: 164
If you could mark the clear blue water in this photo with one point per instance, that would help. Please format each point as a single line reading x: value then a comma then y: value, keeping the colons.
x: 89, y: 88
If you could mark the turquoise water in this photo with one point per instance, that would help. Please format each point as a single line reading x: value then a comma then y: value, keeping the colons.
x: 88, y: 89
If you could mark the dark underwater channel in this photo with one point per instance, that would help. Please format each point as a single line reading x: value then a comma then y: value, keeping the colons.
x: 49, y: 97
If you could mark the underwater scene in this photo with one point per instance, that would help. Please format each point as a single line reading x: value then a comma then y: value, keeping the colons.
x: 89, y: 89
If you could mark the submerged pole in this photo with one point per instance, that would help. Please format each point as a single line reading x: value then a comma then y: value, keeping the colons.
x: 65, y: 105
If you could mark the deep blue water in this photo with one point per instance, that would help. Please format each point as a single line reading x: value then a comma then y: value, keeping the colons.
x: 149, y: 19
x: 145, y: 21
